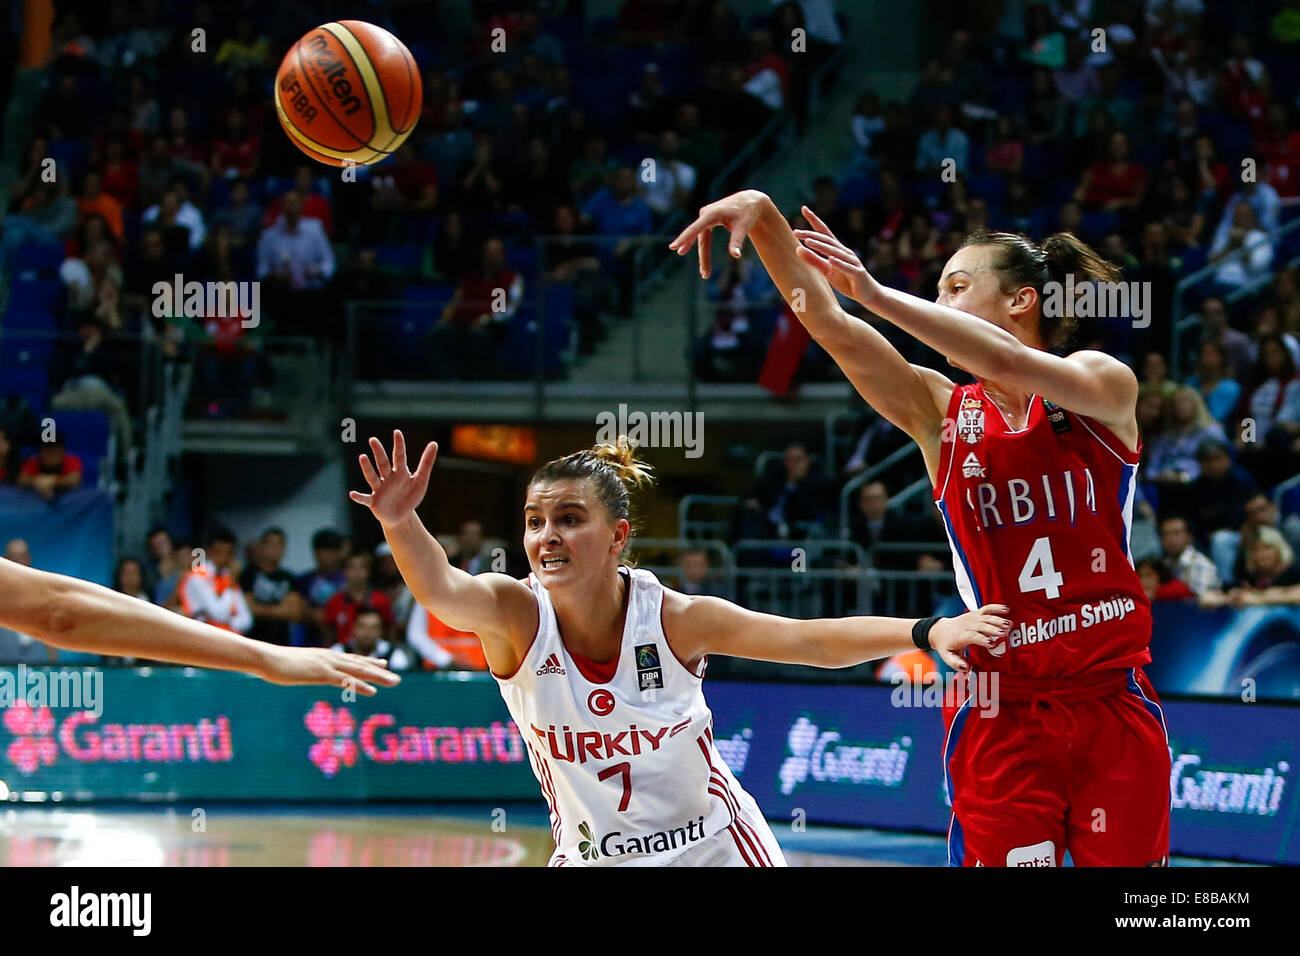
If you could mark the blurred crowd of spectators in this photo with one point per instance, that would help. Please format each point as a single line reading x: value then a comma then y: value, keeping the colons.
x: 170, y: 161
x: 349, y: 600
x: 1135, y: 142
x: 1137, y: 146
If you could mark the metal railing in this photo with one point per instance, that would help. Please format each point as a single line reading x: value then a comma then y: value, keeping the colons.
x: 812, y: 579
x: 835, y: 440
x: 722, y: 566
x: 869, y: 474
x: 708, y: 528
x: 1181, y: 324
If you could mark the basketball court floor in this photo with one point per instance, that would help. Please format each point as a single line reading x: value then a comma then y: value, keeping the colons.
x: 368, y: 835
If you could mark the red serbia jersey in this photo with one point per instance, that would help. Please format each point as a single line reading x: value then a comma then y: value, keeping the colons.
x: 1039, y: 519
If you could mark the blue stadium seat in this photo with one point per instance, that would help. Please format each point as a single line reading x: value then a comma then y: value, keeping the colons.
x: 437, y: 293
x: 20, y: 352
x: 519, y: 353
x: 29, y: 320
x: 35, y: 295
x: 990, y: 187
x: 85, y: 434
x: 523, y: 259
x: 1194, y: 260
x: 30, y: 382
x: 856, y: 190
x: 70, y: 157
x: 38, y: 258
x: 403, y: 256
x: 85, y: 429
x: 1291, y: 501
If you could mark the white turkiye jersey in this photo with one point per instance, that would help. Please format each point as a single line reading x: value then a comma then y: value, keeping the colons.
x: 628, y: 767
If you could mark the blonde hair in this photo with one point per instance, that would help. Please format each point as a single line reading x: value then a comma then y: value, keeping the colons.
x: 1272, y: 538
x: 614, y: 470
x: 1201, y: 417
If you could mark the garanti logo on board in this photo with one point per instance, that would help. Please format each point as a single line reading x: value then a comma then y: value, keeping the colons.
x: 341, y: 741
x: 40, y: 738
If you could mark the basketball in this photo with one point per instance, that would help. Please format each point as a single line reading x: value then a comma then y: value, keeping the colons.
x: 348, y: 92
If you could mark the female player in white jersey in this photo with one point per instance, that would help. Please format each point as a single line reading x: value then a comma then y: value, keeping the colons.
x: 600, y: 665
x: 77, y: 615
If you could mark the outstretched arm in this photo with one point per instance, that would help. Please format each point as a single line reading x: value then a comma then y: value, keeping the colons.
x: 912, y: 398
x: 709, y: 625
x: 77, y: 615
x: 496, y: 607
x: 1088, y: 382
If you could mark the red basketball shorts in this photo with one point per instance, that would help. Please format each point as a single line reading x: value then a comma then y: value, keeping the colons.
x: 1079, y: 765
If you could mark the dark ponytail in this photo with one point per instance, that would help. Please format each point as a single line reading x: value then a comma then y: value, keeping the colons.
x: 1019, y: 263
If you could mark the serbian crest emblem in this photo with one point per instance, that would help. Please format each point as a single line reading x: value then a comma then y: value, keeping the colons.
x: 970, y: 420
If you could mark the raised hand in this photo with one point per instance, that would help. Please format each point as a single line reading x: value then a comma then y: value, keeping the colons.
x: 736, y: 213
x: 317, y: 665
x: 837, y: 262
x: 395, y: 491
x: 984, y: 627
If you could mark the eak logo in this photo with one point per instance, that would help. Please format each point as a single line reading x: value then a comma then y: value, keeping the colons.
x: 552, y: 666
x: 971, y: 467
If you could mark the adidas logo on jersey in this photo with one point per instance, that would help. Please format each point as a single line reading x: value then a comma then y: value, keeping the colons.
x: 552, y: 666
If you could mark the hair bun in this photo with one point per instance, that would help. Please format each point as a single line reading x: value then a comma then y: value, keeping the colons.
x: 622, y: 456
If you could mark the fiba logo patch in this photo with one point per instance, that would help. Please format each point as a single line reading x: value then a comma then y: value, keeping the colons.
x: 648, y: 672
x: 601, y: 703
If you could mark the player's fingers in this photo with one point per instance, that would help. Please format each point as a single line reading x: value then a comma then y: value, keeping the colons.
x: 814, y: 260
x: 737, y: 240
x: 368, y: 471
x: 367, y: 668
x: 399, y: 451
x: 348, y: 680
x: 687, y: 237
x: 834, y: 252
x: 955, y: 662
x: 816, y: 222
x: 425, y: 467
x: 806, y: 235
x: 704, y: 243
x: 361, y: 499
x: 381, y: 458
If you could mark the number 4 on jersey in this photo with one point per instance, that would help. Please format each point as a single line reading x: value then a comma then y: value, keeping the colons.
x: 1039, y: 573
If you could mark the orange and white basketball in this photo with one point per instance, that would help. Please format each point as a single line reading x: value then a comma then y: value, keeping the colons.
x: 348, y: 92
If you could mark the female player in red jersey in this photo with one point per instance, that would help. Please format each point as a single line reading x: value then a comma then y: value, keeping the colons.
x: 1033, y: 470
x: 77, y: 615
x: 602, y: 667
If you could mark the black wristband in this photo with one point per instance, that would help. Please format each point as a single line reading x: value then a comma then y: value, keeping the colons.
x: 921, y: 632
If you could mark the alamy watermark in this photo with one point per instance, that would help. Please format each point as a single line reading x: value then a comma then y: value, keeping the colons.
x: 657, y: 429
x: 1098, y: 299
x: 205, y: 300
x: 980, y: 690
x: 80, y: 689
